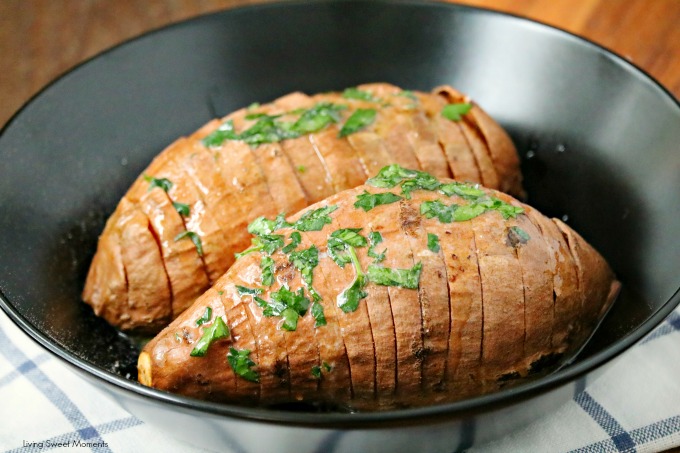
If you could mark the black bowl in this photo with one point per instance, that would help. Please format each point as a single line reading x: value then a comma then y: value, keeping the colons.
x: 597, y: 136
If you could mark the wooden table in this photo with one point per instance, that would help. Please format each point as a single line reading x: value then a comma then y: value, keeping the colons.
x: 41, y: 39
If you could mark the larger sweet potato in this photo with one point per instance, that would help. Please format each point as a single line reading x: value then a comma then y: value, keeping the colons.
x: 402, y: 292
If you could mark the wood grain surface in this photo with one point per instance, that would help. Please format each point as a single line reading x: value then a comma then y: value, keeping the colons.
x: 41, y: 39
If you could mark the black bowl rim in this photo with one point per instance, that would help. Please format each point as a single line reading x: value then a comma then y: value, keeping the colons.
x: 367, y: 420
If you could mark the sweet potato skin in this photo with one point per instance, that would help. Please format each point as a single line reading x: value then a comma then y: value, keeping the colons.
x: 226, y: 186
x: 455, y: 343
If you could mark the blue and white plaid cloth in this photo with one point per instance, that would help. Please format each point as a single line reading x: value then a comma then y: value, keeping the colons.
x: 635, y: 406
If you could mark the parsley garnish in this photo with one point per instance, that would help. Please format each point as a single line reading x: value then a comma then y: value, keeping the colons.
x: 433, y: 242
x: 301, y: 168
x: 422, y: 180
x: 461, y: 213
x: 295, y: 239
x: 349, y: 298
x: 286, y: 304
x: 355, y: 93
x: 316, y: 371
x: 317, y: 118
x: 206, y: 316
x: 408, y: 94
x: 195, y: 238
x: 517, y: 236
x: 262, y: 225
x: 405, y: 278
x: 267, y: 266
x: 182, y: 208
x: 315, y: 220
x: 391, y: 175
x: 241, y: 364
x: 360, y: 119
x: 269, y: 129
x: 455, y: 112
x: 219, y: 135
x: 305, y: 261
x: 341, y: 248
x: 375, y: 238
x: 268, y: 243
x: 317, y: 313
x: 216, y: 331
x: 340, y: 241
x: 368, y: 201
x: 465, y: 191
x: 162, y: 183
x: 244, y: 290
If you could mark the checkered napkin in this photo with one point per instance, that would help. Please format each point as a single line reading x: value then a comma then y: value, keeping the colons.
x: 635, y: 406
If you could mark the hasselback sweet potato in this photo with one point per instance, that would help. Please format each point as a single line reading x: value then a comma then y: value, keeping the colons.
x: 408, y: 290
x: 185, y: 216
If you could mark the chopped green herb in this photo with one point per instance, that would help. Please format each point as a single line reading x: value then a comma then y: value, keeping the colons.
x: 421, y: 180
x: 455, y: 112
x: 348, y: 300
x: 262, y: 225
x: 267, y: 266
x: 182, y: 208
x: 289, y: 319
x: 360, y: 119
x: 301, y: 168
x: 436, y: 208
x: 405, y: 278
x: 267, y: 130
x: 178, y: 339
x: 506, y: 210
x: 241, y: 364
x: 268, y: 243
x: 368, y: 201
x: 206, y: 316
x: 220, y: 135
x: 326, y: 366
x: 340, y: 241
x: 458, y: 213
x: 408, y: 94
x: 256, y: 115
x: 375, y: 238
x: 305, y: 261
x: 244, y: 290
x: 286, y: 304
x: 220, y: 292
x: 317, y: 313
x: 195, y: 238
x: 355, y: 93
x: 216, y: 331
x: 253, y: 106
x: 391, y: 175
x: 433, y: 242
x: 315, y: 220
x: 317, y: 118
x: 466, y: 191
x: 162, y: 183
x: 295, y: 239
x: 517, y: 236
x: 316, y: 371
x: 467, y: 212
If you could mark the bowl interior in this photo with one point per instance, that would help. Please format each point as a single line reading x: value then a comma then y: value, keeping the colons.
x: 598, y: 140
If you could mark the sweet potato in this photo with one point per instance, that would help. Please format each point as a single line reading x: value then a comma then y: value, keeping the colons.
x: 273, y: 158
x: 432, y: 291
